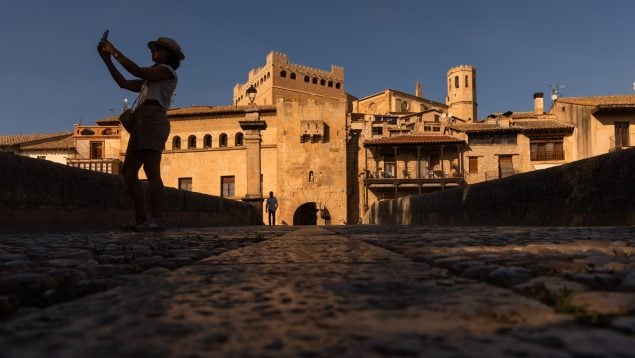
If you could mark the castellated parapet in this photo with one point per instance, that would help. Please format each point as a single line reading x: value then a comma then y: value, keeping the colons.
x: 280, y: 79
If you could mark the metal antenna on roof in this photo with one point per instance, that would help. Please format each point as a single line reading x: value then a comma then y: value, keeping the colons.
x: 555, y: 90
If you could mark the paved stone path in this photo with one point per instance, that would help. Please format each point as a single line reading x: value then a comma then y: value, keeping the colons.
x: 315, y: 291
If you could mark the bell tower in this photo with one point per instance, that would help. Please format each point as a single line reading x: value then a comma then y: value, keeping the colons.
x: 461, y: 99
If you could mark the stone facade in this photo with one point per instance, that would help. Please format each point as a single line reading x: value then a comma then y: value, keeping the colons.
x: 327, y: 155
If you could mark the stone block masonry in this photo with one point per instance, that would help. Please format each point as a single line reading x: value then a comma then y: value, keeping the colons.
x: 38, y: 195
x: 598, y: 191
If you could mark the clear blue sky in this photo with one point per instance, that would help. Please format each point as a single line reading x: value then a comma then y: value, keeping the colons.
x: 52, y: 76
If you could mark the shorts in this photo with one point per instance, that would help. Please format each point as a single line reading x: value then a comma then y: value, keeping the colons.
x: 151, y: 129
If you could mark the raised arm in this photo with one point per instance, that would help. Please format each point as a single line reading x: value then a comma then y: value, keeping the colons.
x: 156, y: 73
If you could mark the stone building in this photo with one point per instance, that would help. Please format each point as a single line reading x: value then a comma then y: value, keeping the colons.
x: 54, y: 147
x: 327, y: 155
x: 302, y: 145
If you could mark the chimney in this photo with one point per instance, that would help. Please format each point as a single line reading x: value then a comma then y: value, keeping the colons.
x: 539, y: 103
x: 418, y: 89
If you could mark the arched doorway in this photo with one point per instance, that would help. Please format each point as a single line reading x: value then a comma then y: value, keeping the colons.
x: 305, y: 214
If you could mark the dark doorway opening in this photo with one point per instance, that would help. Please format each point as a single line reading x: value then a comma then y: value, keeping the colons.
x: 305, y: 214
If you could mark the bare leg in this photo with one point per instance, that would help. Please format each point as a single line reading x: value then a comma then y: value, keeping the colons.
x: 130, y: 171
x: 152, y: 168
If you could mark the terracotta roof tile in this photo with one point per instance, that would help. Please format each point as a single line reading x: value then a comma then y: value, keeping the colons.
x: 483, y: 127
x: 543, y: 124
x: 63, y: 143
x: 413, y: 139
x: 622, y: 99
x: 23, y: 139
x: 218, y: 110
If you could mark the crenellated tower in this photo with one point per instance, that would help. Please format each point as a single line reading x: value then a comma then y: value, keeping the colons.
x: 461, y: 99
x: 280, y: 79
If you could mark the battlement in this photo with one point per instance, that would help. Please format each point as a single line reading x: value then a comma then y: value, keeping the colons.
x: 461, y: 68
x: 279, y: 71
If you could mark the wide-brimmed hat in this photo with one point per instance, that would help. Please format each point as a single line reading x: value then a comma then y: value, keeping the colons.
x: 169, y: 44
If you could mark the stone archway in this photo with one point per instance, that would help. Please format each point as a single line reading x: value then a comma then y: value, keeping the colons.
x: 306, y: 214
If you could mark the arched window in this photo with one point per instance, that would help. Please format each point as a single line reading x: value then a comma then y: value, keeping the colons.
x: 222, y: 140
x: 283, y: 73
x: 322, y: 82
x: 191, y: 142
x: 207, y: 141
x: 338, y: 85
x: 456, y: 81
x: 239, y: 140
x: 467, y: 82
x: 314, y: 80
x: 330, y: 84
x: 292, y: 76
x: 87, y: 131
x: 307, y: 79
x: 176, y: 143
x: 311, y: 177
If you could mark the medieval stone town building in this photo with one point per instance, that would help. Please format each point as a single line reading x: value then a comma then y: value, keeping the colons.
x: 327, y: 155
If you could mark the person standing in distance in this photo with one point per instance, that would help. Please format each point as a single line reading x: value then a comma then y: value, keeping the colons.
x: 156, y: 85
x: 271, y: 207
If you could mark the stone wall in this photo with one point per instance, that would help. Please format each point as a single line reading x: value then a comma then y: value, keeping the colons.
x: 38, y: 195
x: 598, y: 191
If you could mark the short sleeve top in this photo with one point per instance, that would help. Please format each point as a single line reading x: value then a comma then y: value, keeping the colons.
x: 160, y: 91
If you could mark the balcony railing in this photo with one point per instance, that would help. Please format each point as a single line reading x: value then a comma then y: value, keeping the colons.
x: 110, y: 166
x: 624, y: 141
x: 547, y: 155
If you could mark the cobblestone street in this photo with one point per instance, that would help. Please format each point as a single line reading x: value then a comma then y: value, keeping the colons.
x: 320, y: 291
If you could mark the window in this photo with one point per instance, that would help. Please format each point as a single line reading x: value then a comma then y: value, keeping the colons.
x: 222, y: 140
x: 227, y: 183
x: 96, y: 150
x: 311, y: 177
x: 191, y: 142
x: 185, y: 184
x: 87, y: 131
x: 389, y: 167
x: 207, y: 141
x: 307, y: 79
x: 314, y: 80
x: 467, y: 82
x: 330, y: 84
x: 489, y: 138
x: 378, y: 131
x: 322, y: 82
x: 456, y: 81
x: 283, y: 73
x: 239, y: 140
x: 176, y: 143
x: 621, y: 134
x: 473, y: 165
x: 292, y: 76
x: 546, y: 149
x: 338, y: 85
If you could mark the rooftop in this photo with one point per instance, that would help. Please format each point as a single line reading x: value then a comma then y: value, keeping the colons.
x: 413, y: 139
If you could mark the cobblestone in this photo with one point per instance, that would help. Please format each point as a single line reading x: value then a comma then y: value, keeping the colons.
x: 315, y: 291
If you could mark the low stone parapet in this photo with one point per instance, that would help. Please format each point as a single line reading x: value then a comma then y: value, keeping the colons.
x: 598, y: 191
x: 38, y: 195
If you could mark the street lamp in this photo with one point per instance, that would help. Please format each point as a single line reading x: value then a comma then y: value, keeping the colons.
x: 251, y: 93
